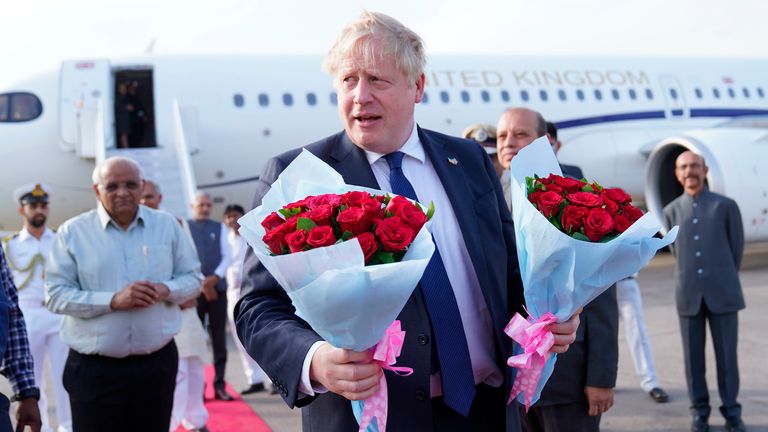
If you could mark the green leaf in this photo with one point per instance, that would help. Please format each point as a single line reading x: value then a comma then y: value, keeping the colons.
x: 387, y: 198
x: 588, y: 188
x: 555, y: 222
x: 305, y: 224
x: 346, y: 235
x: 606, y: 239
x: 386, y: 257
x: 579, y: 236
x: 430, y: 210
x: 289, y: 212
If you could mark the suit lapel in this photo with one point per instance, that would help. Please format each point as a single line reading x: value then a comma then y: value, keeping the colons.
x: 350, y: 161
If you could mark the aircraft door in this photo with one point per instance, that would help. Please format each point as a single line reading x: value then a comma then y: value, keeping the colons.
x: 85, y: 106
x: 676, y: 107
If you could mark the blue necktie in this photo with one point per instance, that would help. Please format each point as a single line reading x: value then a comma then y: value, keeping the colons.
x: 451, y: 342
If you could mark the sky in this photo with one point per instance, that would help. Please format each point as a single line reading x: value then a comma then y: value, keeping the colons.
x: 37, y: 35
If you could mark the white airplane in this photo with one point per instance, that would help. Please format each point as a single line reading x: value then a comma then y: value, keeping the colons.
x: 210, y: 123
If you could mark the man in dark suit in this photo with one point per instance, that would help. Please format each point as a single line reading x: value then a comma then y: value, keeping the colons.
x: 709, y: 248
x: 581, y: 386
x: 458, y: 349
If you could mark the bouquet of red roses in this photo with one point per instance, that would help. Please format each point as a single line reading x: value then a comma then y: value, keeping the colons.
x: 585, y: 211
x: 574, y: 240
x: 383, y: 225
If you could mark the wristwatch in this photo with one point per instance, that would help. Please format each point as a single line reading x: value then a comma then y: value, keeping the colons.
x: 32, y: 392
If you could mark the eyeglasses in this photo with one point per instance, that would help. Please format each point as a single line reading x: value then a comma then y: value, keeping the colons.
x: 131, y: 186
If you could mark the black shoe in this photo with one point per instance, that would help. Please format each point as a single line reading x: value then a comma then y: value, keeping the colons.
x: 658, y: 395
x: 735, y: 425
x: 254, y: 388
x: 699, y: 424
x: 222, y: 395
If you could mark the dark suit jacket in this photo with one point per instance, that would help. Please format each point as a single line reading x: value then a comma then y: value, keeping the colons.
x: 279, y: 340
x: 709, y: 248
x: 592, y: 360
x: 571, y: 171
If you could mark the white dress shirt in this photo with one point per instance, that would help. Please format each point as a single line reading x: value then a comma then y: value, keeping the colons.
x: 238, y: 247
x: 93, y: 258
x: 475, y: 315
x: 21, y: 250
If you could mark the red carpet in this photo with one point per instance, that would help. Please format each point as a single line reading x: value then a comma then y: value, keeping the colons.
x: 235, y: 416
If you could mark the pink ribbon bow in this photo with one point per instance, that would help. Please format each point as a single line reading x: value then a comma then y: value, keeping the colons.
x: 385, y: 352
x: 536, y: 341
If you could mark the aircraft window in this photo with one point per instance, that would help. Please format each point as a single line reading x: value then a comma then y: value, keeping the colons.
x: 505, y: 96
x: 334, y: 99
x: 598, y: 94
x: 746, y: 92
x: 445, y: 97
x: 649, y: 94
x: 287, y: 99
x: 632, y: 94
x: 485, y: 96
x: 615, y: 94
x: 543, y: 95
x: 698, y: 92
x: 731, y: 92
x: 238, y: 100
x: 19, y: 107
x: 760, y: 92
x: 673, y: 93
x: 425, y: 98
x: 580, y: 94
x: 524, y: 95
x: 716, y: 92
x: 465, y: 96
x: 263, y: 99
x: 561, y: 94
x: 311, y: 99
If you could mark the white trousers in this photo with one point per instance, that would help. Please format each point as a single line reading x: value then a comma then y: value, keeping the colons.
x: 44, y: 342
x: 631, y: 312
x: 252, y: 369
x: 188, y: 408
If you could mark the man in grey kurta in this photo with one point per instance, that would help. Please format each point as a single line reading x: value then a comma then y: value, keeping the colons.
x: 709, y: 249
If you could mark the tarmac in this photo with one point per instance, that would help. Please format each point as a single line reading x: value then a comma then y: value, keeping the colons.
x: 633, y: 410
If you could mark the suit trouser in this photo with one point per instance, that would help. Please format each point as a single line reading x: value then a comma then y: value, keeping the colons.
x: 486, y: 414
x: 5, y: 418
x: 43, y: 332
x: 252, y: 369
x: 631, y: 313
x: 725, y: 333
x: 188, y: 407
x: 217, y: 329
x: 568, y: 417
x: 128, y: 394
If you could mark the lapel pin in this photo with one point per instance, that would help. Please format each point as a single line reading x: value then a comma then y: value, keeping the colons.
x: 453, y: 161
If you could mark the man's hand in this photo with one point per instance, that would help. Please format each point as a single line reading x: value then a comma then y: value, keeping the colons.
x: 600, y: 399
x: 28, y: 414
x: 209, y: 287
x: 139, y: 294
x: 564, y: 333
x: 161, y: 290
x: 351, y: 374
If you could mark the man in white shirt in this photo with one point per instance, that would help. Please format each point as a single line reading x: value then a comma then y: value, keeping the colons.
x: 26, y: 252
x: 118, y: 273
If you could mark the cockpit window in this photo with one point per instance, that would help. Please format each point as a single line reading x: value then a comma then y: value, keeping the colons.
x: 19, y: 107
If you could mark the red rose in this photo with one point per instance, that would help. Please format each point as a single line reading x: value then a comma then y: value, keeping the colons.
x: 396, y: 202
x: 332, y: 200
x: 372, y: 208
x: 380, y: 198
x: 573, y: 218
x: 272, y: 221
x: 569, y: 185
x: 275, y: 239
x: 411, y: 215
x: 586, y: 199
x: 610, y: 206
x: 534, y: 198
x: 554, y: 188
x: 368, y: 244
x: 549, y: 203
x: 622, y: 223
x: 599, y: 223
x: 616, y: 195
x: 394, y: 235
x: 320, y: 236
x: 354, y: 220
x: 297, y: 204
x: 296, y: 241
x: 321, y: 215
x: 292, y: 221
x: 354, y: 198
x: 631, y: 212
